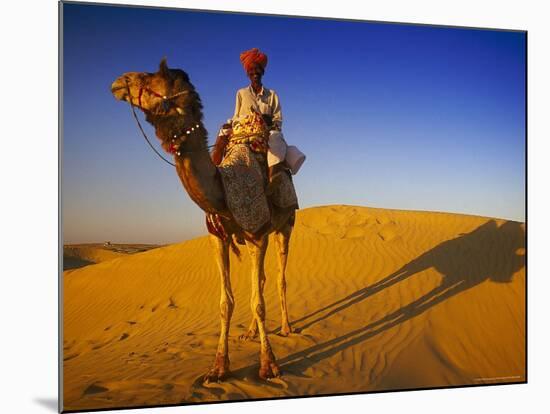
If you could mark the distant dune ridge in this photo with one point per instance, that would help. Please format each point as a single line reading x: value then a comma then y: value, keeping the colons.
x: 381, y: 299
x: 80, y: 255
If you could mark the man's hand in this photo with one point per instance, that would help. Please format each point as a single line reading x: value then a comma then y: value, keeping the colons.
x: 226, y: 129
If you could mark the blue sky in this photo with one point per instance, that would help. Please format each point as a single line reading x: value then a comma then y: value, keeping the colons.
x: 393, y: 116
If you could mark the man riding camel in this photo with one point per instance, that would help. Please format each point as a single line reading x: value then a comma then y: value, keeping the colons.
x: 256, y: 99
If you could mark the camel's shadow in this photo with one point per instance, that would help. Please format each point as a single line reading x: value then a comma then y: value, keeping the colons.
x: 491, y: 252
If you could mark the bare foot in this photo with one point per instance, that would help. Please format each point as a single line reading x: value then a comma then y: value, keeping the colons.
x: 268, y: 366
x: 219, y: 371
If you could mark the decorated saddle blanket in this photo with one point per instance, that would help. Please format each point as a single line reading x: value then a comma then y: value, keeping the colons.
x: 244, y: 179
x: 284, y: 195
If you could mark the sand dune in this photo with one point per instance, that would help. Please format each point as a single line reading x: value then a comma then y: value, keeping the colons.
x: 381, y: 299
x: 80, y: 255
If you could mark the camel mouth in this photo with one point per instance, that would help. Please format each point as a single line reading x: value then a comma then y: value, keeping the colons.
x: 119, y: 89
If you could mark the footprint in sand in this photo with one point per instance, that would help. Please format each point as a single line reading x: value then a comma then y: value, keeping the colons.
x: 95, y: 389
x: 332, y: 229
x: 71, y: 356
x: 359, y: 220
x: 384, y: 220
x: 355, y: 232
x: 389, y: 232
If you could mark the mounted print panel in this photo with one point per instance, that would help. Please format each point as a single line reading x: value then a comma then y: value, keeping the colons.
x: 262, y: 206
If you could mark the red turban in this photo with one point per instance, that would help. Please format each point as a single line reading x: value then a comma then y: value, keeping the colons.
x: 253, y: 57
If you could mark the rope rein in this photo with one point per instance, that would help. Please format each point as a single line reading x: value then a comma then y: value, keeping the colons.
x: 132, y: 106
x: 145, y: 136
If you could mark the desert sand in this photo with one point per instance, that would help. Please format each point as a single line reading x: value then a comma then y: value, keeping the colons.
x: 80, y: 255
x: 380, y: 299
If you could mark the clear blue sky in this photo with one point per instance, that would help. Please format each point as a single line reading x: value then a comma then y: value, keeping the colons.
x: 393, y: 116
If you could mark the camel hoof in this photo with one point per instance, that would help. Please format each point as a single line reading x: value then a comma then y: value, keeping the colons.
x: 216, y: 374
x: 268, y: 366
x: 269, y: 370
x: 219, y: 371
x: 249, y: 336
x: 285, y: 331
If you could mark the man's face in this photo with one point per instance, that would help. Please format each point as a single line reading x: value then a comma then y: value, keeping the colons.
x: 255, y: 74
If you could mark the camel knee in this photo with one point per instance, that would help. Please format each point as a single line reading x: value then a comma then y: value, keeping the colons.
x: 226, y: 307
x: 258, y: 309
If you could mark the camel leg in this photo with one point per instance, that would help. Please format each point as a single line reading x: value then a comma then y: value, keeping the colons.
x: 252, y: 330
x: 282, y: 239
x: 268, y: 366
x: 220, y: 369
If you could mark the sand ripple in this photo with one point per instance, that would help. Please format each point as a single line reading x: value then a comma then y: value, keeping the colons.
x: 380, y: 299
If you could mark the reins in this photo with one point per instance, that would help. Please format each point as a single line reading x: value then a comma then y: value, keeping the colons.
x: 164, y: 98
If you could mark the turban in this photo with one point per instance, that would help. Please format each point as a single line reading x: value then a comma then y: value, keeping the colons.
x: 253, y: 57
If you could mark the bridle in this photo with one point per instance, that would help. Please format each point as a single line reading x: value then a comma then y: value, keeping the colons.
x: 165, y: 103
x: 165, y: 99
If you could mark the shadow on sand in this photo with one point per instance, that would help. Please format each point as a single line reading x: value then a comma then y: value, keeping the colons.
x: 490, y: 252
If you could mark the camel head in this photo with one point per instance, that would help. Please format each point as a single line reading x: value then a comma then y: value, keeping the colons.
x: 167, y: 92
x: 167, y: 98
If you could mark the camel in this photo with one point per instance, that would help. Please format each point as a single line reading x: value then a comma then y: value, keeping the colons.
x: 173, y: 107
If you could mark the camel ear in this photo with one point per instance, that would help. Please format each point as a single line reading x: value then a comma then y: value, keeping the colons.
x: 163, y: 67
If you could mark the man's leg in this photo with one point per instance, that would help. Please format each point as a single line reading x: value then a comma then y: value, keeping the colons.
x: 275, y: 159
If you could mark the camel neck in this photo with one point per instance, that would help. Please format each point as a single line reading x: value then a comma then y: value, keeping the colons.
x: 200, y: 177
x: 196, y: 170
